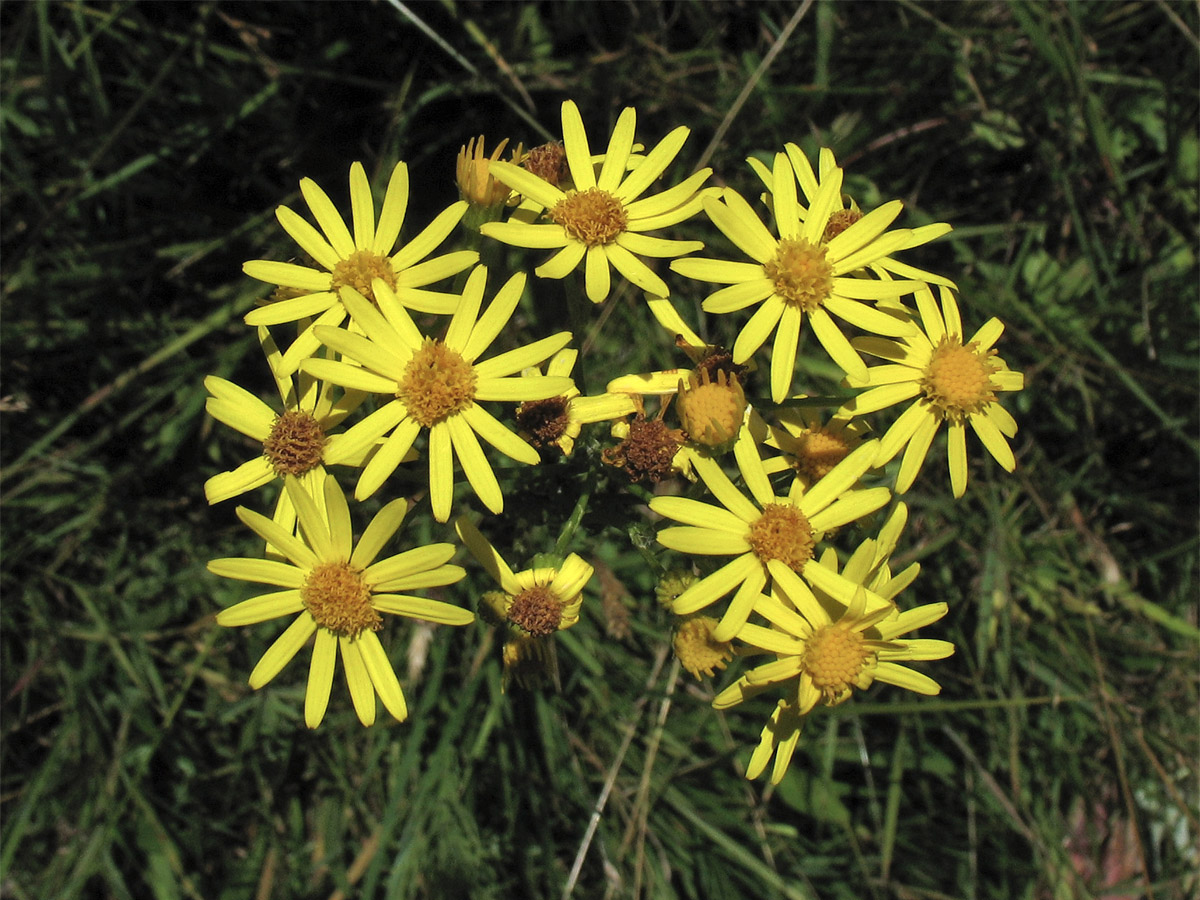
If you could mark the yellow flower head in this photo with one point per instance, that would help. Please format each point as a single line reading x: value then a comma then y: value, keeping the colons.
x: 771, y: 538
x: 810, y: 271
x: 476, y: 183
x: 337, y: 591
x: 711, y: 409
x: 532, y: 604
x: 951, y: 379
x: 603, y: 219
x: 297, y: 441
x: 671, y: 585
x: 695, y: 648
x: 808, y: 444
x: 825, y: 647
x: 436, y: 386
x: 357, y: 261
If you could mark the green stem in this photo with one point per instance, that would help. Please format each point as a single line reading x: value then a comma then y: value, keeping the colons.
x: 572, y: 525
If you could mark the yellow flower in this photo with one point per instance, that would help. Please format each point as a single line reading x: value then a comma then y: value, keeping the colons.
x: 436, y: 385
x: 953, y: 380
x: 849, y: 213
x: 711, y: 410
x: 695, y: 648
x: 295, y: 441
x: 602, y: 221
x: 343, y: 260
x: 533, y: 605
x: 476, y: 183
x: 800, y: 273
x: 772, y: 538
x: 559, y: 420
x: 808, y: 444
x: 338, y: 591
x: 825, y: 646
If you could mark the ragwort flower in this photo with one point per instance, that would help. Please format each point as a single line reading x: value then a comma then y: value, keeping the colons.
x: 532, y: 605
x: 337, y: 591
x: 436, y: 385
x: 772, y: 538
x: 802, y: 274
x: 559, y: 420
x: 294, y: 442
x: 951, y: 380
x: 824, y: 648
x: 343, y: 260
x: 602, y: 221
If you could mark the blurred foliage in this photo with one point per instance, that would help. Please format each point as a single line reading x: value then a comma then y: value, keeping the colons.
x: 144, y: 149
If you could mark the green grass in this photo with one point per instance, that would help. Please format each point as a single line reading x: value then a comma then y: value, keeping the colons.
x: 144, y: 149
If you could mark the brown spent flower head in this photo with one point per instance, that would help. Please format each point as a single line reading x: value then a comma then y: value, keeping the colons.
x: 536, y: 612
x: 548, y: 162
x: 648, y: 452
x: 717, y: 359
x: 711, y: 411
x: 296, y: 443
x: 839, y: 221
x: 695, y: 648
x: 543, y: 422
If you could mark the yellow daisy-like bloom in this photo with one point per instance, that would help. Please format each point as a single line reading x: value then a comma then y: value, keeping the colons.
x: 772, y: 538
x: 559, y: 420
x: 295, y: 441
x: 602, y: 221
x: 356, y: 261
x: 801, y: 274
x: 953, y: 380
x: 436, y: 385
x: 533, y: 605
x: 849, y: 213
x: 338, y: 591
x: 824, y: 648
x: 809, y: 445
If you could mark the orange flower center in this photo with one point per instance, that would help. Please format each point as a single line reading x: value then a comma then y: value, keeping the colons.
x: 957, y: 381
x: 835, y: 658
x: 782, y: 532
x: 537, y: 611
x: 801, y: 274
x: 592, y: 217
x: 359, y: 268
x: 296, y: 443
x: 437, y: 383
x: 336, y: 596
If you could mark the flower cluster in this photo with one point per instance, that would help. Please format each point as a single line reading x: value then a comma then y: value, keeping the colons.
x: 400, y: 368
